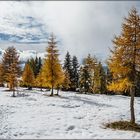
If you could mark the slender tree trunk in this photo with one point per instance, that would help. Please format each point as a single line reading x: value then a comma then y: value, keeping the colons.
x: 41, y: 88
x: 14, y: 92
x: 57, y: 92
x: 85, y: 90
x: 133, y: 88
x: 52, y: 91
x: 10, y: 87
x: 132, y: 93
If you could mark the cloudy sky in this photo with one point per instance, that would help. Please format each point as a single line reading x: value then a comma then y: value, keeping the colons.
x: 82, y: 27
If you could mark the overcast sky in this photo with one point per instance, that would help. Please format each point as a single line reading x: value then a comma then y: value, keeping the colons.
x: 82, y: 26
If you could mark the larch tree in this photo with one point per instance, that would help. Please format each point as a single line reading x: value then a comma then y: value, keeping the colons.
x: 138, y: 85
x: 90, y: 62
x: 52, y: 70
x: 1, y: 75
x: 28, y: 76
x: 40, y: 80
x: 60, y: 81
x: 66, y: 81
x: 124, y: 63
x: 10, y: 61
x: 12, y: 77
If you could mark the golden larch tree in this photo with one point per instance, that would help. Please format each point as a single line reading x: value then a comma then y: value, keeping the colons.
x: 28, y: 76
x: 1, y: 75
x: 40, y: 80
x: 66, y: 81
x: 124, y: 63
x: 10, y: 60
x: 52, y: 69
x: 13, y: 77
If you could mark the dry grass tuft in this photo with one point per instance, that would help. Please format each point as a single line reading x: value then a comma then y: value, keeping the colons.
x: 124, y: 125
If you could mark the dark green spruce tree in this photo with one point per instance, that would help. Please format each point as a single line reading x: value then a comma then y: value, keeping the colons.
x: 68, y: 67
x: 75, y: 73
x: 99, y: 79
x: 85, y: 79
x: 35, y: 65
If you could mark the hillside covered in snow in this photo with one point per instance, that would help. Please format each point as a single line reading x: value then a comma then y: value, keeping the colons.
x: 72, y: 115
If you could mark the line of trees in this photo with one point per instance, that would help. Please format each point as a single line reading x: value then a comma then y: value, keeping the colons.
x: 50, y: 73
x: 69, y: 76
x: 122, y: 74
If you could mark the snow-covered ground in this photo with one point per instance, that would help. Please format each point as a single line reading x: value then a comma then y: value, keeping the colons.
x: 72, y: 115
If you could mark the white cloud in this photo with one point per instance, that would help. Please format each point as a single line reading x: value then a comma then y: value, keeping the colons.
x: 84, y: 26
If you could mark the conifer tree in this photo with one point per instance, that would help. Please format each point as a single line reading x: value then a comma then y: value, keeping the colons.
x: 66, y: 82
x: 109, y: 76
x: 125, y: 59
x: 1, y: 75
x: 85, y: 79
x: 40, y: 80
x: 52, y: 70
x: 10, y: 61
x: 99, y: 80
x: 138, y: 85
x: 60, y: 81
x: 75, y: 72
x: 28, y: 76
x: 39, y: 65
x: 12, y: 77
x: 103, y: 86
x: 35, y: 64
x: 68, y: 66
x: 91, y: 63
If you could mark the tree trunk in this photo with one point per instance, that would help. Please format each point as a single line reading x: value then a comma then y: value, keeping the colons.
x: 57, y: 91
x: 14, y: 93
x: 52, y: 91
x: 29, y: 88
x: 85, y: 91
x: 41, y: 89
x: 132, y: 93
x: 10, y: 87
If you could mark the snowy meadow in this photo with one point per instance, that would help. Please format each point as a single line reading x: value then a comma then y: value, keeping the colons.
x: 70, y: 115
